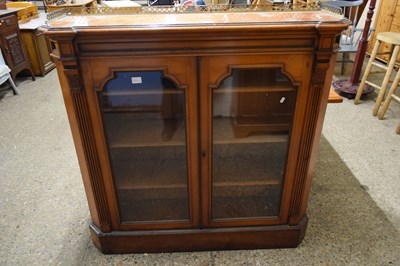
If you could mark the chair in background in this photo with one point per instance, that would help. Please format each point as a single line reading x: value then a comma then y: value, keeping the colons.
x: 5, y: 74
x: 351, y: 36
x: 392, y: 39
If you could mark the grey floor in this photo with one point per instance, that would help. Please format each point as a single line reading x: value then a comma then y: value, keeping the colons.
x: 354, y: 206
x: 369, y: 147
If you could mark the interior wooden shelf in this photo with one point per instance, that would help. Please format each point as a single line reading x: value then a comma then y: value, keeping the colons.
x: 142, y: 92
x: 131, y: 109
x: 223, y: 132
x: 255, y: 183
x: 272, y: 120
x: 127, y: 130
x: 126, y: 184
x: 250, y: 89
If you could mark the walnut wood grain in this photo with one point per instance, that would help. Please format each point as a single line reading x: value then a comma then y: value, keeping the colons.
x: 196, y: 52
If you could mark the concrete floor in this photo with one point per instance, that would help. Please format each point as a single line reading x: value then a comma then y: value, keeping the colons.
x: 354, y: 206
x: 369, y: 146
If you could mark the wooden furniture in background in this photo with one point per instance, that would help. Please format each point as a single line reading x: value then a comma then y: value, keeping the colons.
x: 387, y: 20
x: 77, y: 3
x: 25, y: 10
x: 153, y: 103
x: 3, y: 4
x: 37, y: 46
x: 11, y: 44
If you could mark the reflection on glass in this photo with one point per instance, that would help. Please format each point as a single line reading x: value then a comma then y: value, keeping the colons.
x: 144, y: 120
x: 252, y: 116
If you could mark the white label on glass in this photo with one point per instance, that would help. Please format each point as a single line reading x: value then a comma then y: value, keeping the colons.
x: 136, y: 80
x: 282, y: 99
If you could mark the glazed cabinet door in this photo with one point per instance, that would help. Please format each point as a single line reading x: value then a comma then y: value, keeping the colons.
x: 249, y: 108
x: 147, y: 110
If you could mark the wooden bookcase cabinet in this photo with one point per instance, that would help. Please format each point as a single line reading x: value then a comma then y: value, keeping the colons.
x: 37, y: 48
x: 203, y: 148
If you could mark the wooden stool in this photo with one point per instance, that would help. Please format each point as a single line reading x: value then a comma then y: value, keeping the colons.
x: 392, y: 38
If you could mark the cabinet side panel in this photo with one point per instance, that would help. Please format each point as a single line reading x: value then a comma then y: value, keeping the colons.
x: 322, y: 105
x: 82, y: 132
x: 314, y: 113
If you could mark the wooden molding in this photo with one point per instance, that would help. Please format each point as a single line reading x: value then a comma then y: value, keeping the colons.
x: 92, y: 160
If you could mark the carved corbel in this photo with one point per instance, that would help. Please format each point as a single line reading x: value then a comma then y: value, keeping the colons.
x: 73, y: 78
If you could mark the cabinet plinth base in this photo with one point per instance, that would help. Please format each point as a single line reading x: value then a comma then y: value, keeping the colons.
x: 277, y: 236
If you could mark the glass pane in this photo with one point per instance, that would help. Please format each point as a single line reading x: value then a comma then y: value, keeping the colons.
x: 144, y: 120
x: 252, y: 116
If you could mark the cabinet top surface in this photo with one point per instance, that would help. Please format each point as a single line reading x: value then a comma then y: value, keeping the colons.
x: 192, y: 20
x: 4, y: 12
x: 34, y: 23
